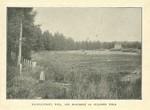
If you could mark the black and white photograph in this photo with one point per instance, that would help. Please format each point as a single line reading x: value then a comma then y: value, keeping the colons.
x: 77, y: 53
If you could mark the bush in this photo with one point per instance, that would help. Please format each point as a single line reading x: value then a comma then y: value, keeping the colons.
x: 21, y: 87
x: 12, y: 71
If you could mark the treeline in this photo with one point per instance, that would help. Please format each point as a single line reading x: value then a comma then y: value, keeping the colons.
x: 59, y: 42
x: 56, y: 42
x: 33, y: 39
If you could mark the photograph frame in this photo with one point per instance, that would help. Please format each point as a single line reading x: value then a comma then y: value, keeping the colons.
x: 58, y: 104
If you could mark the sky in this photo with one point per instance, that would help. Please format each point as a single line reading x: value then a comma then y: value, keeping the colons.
x: 92, y: 23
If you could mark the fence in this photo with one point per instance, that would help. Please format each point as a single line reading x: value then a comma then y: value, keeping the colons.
x: 33, y: 65
x: 29, y: 63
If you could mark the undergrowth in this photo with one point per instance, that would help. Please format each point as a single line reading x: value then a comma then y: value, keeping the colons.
x: 63, y: 84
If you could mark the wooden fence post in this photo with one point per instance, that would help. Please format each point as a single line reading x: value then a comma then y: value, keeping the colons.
x: 20, y: 68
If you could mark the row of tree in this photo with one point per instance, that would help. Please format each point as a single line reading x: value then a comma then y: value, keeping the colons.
x: 59, y: 42
x: 35, y: 40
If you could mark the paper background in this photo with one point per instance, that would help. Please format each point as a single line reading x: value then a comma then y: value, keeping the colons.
x: 120, y: 104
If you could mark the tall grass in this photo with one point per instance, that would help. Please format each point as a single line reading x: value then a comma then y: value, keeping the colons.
x: 64, y: 81
x: 61, y: 85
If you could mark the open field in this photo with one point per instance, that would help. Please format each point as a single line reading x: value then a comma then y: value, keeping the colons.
x: 81, y: 75
x: 90, y: 61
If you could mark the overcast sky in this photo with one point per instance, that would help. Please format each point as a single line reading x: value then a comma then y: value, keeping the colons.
x: 103, y: 24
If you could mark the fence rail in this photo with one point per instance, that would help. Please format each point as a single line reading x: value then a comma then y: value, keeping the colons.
x: 30, y: 63
x: 33, y: 65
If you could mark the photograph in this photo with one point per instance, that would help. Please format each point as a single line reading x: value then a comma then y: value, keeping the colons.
x: 74, y: 53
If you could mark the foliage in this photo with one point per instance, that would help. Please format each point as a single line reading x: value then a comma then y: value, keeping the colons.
x: 59, y: 42
x: 31, y: 33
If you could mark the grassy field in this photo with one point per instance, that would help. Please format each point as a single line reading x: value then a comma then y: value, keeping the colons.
x: 80, y: 75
